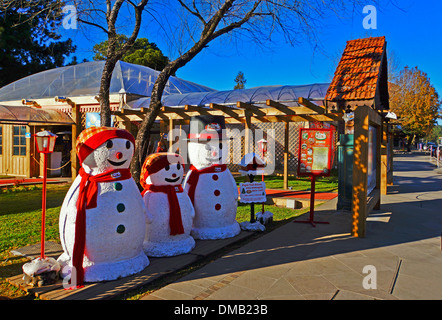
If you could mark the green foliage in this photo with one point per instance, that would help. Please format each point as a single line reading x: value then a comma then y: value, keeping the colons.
x: 143, y: 52
x: 29, y: 41
x: 240, y: 81
x: 435, y: 133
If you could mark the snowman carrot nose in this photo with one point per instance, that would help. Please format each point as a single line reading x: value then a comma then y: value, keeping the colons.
x: 173, y: 175
x: 119, y: 155
x: 214, y: 154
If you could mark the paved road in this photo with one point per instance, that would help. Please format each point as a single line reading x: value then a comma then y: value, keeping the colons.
x: 400, y: 257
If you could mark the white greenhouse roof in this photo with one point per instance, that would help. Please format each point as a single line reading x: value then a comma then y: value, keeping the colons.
x: 258, y: 95
x: 84, y: 79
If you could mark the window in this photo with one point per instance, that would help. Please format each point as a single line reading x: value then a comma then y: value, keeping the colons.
x: 19, y: 136
x: 1, y: 140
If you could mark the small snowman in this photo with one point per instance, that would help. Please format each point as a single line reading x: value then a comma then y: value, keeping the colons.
x: 168, y: 205
x: 102, y: 219
x: 209, y: 183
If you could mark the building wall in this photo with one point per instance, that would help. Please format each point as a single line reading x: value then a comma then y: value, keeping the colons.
x: 15, y: 164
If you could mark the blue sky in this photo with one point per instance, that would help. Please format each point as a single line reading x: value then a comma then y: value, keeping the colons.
x: 412, y: 29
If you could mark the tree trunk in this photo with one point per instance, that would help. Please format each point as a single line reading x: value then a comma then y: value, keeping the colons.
x: 410, y: 141
x: 105, y: 113
x: 143, y: 136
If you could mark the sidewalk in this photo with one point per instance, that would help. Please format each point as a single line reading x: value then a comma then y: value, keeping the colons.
x: 402, y: 249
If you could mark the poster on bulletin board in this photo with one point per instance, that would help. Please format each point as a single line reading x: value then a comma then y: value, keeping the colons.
x: 315, y: 152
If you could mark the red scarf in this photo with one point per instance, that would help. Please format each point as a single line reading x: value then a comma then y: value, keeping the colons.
x: 175, y: 222
x: 193, y: 179
x: 87, y: 199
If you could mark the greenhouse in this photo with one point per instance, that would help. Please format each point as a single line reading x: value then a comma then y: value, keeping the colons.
x: 84, y: 80
x: 64, y: 100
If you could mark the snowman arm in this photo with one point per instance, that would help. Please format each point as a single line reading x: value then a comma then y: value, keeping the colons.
x: 148, y: 215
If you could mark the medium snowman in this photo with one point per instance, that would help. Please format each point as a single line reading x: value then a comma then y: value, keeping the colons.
x: 209, y: 183
x: 102, y: 219
x: 169, y: 206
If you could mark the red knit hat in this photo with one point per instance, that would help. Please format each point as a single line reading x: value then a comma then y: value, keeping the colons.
x: 157, y: 161
x: 91, y: 138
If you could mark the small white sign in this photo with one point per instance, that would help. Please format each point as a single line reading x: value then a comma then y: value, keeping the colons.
x: 252, y: 192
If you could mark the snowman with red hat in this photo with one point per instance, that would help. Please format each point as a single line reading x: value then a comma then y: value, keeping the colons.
x: 209, y: 182
x: 102, y: 219
x: 170, y: 207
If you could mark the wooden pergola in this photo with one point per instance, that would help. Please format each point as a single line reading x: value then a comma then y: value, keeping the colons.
x: 359, y: 86
x: 243, y: 113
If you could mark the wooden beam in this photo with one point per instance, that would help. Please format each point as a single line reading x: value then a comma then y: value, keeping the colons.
x: 250, y: 107
x: 281, y: 107
x: 314, y: 107
x: 237, y: 114
x: 180, y: 114
x: 200, y: 110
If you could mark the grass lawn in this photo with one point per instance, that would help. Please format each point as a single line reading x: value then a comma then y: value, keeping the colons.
x: 322, y: 184
x: 20, y: 219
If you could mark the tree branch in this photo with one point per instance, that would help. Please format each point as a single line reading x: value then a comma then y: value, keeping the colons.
x: 194, y: 12
x: 93, y: 24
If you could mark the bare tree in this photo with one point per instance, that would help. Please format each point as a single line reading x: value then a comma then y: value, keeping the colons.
x: 204, y: 21
x: 89, y: 13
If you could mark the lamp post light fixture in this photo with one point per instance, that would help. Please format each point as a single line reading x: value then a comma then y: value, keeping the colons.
x: 45, y: 142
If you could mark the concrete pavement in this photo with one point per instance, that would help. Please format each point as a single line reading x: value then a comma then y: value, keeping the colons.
x: 400, y: 257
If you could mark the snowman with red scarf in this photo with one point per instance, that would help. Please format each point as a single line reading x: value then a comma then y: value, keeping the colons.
x: 169, y: 206
x: 209, y: 182
x: 102, y: 219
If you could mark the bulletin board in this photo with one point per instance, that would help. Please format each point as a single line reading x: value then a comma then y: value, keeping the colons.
x: 315, y: 152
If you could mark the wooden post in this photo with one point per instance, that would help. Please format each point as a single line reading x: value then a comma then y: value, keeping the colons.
x: 248, y: 136
x: 29, y: 151
x: 379, y: 169
x: 384, y: 159
x: 169, y: 135
x: 76, y: 129
x: 286, y: 156
x: 360, y: 170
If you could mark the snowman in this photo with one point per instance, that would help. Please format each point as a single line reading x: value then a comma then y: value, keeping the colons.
x: 170, y: 207
x: 102, y: 219
x: 209, y: 183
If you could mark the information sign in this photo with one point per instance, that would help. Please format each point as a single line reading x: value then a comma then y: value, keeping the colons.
x: 315, y: 152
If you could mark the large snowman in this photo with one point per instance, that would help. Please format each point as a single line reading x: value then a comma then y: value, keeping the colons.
x: 168, y: 205
x: 209, y: 183
x: 102, y: 219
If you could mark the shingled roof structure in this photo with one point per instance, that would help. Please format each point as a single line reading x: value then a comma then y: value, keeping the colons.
x: 361, y: 76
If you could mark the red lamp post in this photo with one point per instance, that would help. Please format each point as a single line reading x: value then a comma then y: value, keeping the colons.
x: 45, y: 142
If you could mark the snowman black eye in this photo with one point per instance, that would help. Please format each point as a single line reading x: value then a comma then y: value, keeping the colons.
x: 109, y: 144
x: 127, y: 144
x: 167, y: 167
x: 178, y: 166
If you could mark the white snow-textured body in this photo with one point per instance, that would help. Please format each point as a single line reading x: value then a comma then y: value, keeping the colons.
x: 216, y: 196
x: 115, y: 228
x: 158, y: 241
